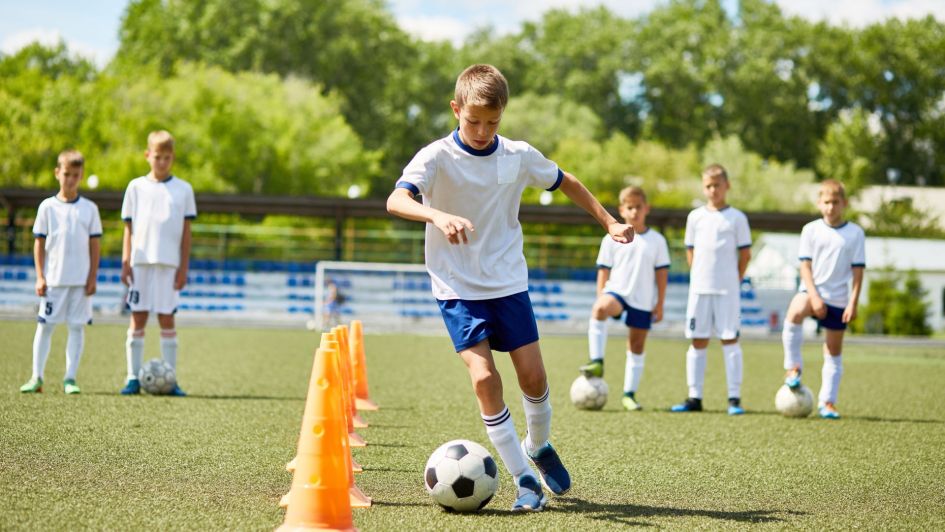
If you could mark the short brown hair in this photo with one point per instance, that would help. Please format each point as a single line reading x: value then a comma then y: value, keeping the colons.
x: 70, y: 159
x: 630, y: 192
x: 482, y: 85
x: 715, y: 170
x: 160, y: 140
x: 832, y: 186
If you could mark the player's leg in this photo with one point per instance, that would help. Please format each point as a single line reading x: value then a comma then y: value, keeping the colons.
x: 166, y: 299
x: 792, y: 337
x: 727, y: 315
x: 169, y: 348
x: 80, y: 314
x: 605, y: 307
x: 698, y: 330
x: 42, y: 341
x: 638, y: 324
x: 833, y: 363
x: 134, y: 351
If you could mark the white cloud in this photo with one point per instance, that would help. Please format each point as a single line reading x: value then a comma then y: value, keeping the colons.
x: 50, y: 37
x: 433, y: 28
x: 859, y: 13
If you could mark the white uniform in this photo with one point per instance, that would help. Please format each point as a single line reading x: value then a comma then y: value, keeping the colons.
x: 156, y: 210
x: 833, y: 252
x: 633, y: 267
x: 67, y: 228
x: 715, y: 237
x: 484, y: 186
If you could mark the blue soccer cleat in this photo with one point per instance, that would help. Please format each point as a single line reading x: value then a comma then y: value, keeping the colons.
x: 177, y: 392
x: 828, y: 411
x: 793, y: 378
x: 691, y: 404
x: 735, y: 406
x: 132, y: 387
x: 530, y: 497
x: 553, y: 474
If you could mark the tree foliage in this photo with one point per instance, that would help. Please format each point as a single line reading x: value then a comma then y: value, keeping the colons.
x: 894, y: 310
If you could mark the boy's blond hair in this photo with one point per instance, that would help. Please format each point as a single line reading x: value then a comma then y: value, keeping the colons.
x: 160, y: 140
x: 715, y: 170
x: 832, y: 186
x: 70, y: 159
x: 482, y: 85
x: 630, y: 192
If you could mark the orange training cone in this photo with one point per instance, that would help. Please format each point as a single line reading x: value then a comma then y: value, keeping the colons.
x: 320, y: 494
x: 355, y: 439
x: 357, y: 498
x: 362, y: 399
x: 359, y: 422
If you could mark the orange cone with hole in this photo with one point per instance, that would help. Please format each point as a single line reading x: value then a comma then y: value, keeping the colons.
x: 362, y: 400
x: 342, y: 333
x: 354, y: 438
x: 357, y: 498
x: 320, y: 495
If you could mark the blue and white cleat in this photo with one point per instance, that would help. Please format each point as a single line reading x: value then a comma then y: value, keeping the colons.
x: 828, y: 411
x: 793, y: 378
x: 132, y: 387
x: 530, y: 497
x: 735, y: 406
x: 553, y: 474
x: 177, y: 392
x: 691, y: 404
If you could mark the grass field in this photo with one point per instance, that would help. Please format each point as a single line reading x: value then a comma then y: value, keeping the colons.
x: 215, y: 460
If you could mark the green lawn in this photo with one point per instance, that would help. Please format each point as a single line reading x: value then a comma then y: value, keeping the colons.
x: 215, y: 460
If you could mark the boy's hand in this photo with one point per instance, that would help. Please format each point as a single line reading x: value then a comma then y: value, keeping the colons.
x: 180, y: 280
x: 127, y: 277
x: 454, y: 227
x: 849, y: 313
x: 622, y: 233
x: 818, y: 307
x: 658, y: 313
x: 41, y: 286
x: 90, y: 286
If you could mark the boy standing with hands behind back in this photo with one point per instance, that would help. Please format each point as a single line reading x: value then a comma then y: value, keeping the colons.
x: 472, y: 182
x: 155, y: 255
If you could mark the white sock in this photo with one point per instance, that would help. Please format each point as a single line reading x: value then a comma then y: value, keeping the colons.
x: 792, y: 336
x: 596, y: 338
x: 41, y: 342
x: 830, y: 379
x: 695, y: 371
x: 733, y: 368
x: 169, y: 347
x: 537, y: 420
x: 502, y: 434
x: 74, y: 346
x: 134, y: 352
x: 631, y: 377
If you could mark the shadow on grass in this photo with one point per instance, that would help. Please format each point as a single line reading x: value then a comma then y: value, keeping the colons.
x: 875, y: 419
x: 373, y: 444
x: 631, y: 514
x: 211, y: 397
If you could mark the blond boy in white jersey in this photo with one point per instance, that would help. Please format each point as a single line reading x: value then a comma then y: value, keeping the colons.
x: 478, y: 270
x: 832, y: 253
x: 66, y: 250
x: 157, y: 211
x: 718, y: 248
x: 631, y: 281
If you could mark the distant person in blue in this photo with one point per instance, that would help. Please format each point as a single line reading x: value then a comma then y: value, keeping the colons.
x: 333, y: 301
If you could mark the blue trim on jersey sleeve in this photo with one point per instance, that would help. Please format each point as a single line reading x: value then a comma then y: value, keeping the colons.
x: 689, y: 246
x: 39, y: 235
x: 473, y: 151
x: 858, y: 265
x: 409, y: 186
x: 802, y: 259
x: 190, y: 217
x: 604, y: 267
x: 744, y: 246
x: 661, y: 267
x: 96, y: 235
x: 557, y: 182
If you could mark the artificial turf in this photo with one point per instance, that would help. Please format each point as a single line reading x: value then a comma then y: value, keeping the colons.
x: 215, y: 460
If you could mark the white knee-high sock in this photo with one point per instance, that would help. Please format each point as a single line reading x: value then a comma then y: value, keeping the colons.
x: 596, y: 338
x: 634, y: 371
x: 41, y: 342
x: 830, y: 377
x: 134, y: 352
x: 791, y: 337
x: 733, y: 368
x: 502, y: 434
x: 695, y: 371
x: 74, y: 346
x: 169, y: 347
x: 537, y: 419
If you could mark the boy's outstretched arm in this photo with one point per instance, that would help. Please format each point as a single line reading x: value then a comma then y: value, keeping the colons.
x: 579, y: 194
x: 401, y: 203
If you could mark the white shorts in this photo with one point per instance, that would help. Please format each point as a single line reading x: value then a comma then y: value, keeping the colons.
x: 65, y: 304
x: 719, y: 312
x: 152, y: 289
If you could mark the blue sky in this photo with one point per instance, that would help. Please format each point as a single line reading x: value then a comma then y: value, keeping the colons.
x: 91, y: 28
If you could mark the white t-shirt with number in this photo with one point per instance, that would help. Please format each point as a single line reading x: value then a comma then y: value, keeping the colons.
x: 67, y: 227
x: 157, y: 210
x: 715, y: 238
x: 833, y: 252
x: 485, y: 187
x: 633, y: 267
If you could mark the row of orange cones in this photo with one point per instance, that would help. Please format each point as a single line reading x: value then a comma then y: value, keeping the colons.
x: 323, y: 490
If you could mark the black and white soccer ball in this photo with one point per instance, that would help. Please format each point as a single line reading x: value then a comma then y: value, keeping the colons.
x: 589, y: 393
x: 157, y: 377
x: 461, y: 476
x: 794, y: 403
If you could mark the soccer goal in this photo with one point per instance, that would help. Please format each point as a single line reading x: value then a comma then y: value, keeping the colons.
x: 384, y: 296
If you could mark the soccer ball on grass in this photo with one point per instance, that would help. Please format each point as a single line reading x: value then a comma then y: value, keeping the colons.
x: 157, y: 377
x: 794, y: 403
x: 461, y: 476
x: 589, y: 393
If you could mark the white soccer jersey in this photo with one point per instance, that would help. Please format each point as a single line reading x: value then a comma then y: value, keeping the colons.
x: 157, y: 210
x: 715, y: 238
x: 67, y: 228
x: 833, y: 252
x: 633, y: 267
x: 484, y: 186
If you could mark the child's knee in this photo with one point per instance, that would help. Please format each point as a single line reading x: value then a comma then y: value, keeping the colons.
x: 485, y: 380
